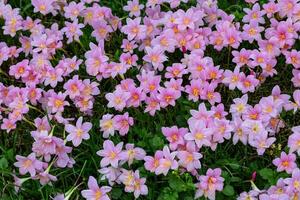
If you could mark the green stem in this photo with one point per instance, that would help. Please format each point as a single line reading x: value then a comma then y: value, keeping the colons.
x: 28, y: 121
x: 34, y: 108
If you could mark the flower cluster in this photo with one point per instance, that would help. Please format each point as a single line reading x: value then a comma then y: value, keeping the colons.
x: 164, y: 56
x: 285, y: 188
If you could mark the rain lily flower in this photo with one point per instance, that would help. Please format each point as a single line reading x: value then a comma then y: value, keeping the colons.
x: 78, y: 132
x: 111, y: 154
x: 286, y: 162
x: 94, y: 191
x: 29, y: 164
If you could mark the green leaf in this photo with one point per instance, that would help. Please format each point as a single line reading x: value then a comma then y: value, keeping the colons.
x: 168, y: 194
x: 9, y: 154
x: 3, y: 163
x: 157, y: 142
x: 226, y: 176
x: 177, y: 184
x: 116, y: 193
x: 235, y: 179
x: 228, y: 190
x: 266, y: 173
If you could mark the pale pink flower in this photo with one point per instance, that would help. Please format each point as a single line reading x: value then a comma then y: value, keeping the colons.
x: 94, y: 192
x: 111, y: 154
x: 286, y: 162
x: 78, y: 132
x: 167, y: 162
x: 28, y: 164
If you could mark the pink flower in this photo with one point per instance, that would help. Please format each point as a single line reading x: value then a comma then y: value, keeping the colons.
x: 8, y: 124
x: 270, y: 106
x: 187, y: 19
x: 200, y: 134
x: 270, y: 46
x: 57, y: 102
x: 287, y: 7
x: 283, y: 36
x: 248, y: 83
x: 20, y: 69
x: 53, y: 76
x: 239, y: 134
x: 153, y: 3
x: 210, y: 94
x: 155, y: 56
x: 293, y: 57
x: 286, y: 162
x: 133, y: 29
x: 252, y: 195
x: 133, y: 7
x: 149, y: 81
x: 209, y: 184
x: 137, y: 96
x: 241, y: 57
x: 194, y: 90
x: 111, y: 174
x: 96, y: 60
x: 94, y: 192
x: 128, y: 46
x: 42, y: 6
x: 117, y: 99
x: 101, y: 30
x: 202, y: 114
x: 232, y: 79
x: 152, y: 104
x: 254, y: 15
x: 252, y: 32
x: 262, y: 142
x: 78, y: 132
x: 34, y: 94
x: 293, y: 182
x: 177, y: 70
x: 134, y: 153
x: 221, y: 130
x: 270, y: 8
x: 73, y: 87
x: 294, y: 140
x: 139, y: 185
x: 168, y: 96
x: 122, y: 123
x: 174, y: 136
x: 73, y: 10
x: 276, y: 93
x: 133, y: 183
x: 167, y: 162
x: 253, y: 128
x: 296, y: 104
x: 111, y: 154
x: 45, y: 178
x: 72, y: 31
x: 190, y: 158
x: 28, y: 164
x: 152, y: 163
x: 4, y: 52
x: 107, y: 125
x: 175, y: 84
x: 166, y: 41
